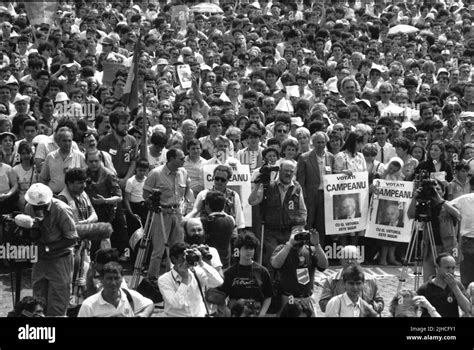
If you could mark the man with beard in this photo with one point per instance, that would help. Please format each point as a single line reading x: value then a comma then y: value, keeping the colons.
x: 121, y: 146
x: 194, y: 235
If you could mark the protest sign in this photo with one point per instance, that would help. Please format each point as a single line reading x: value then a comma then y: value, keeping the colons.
x: 346, y: 201
x: 292, y: 91
x: 109, y: 70
x: 40, y: 12
x: 240, y: 183
x: 184, y: 75
x: 388, y: 218
x: 179, y: 15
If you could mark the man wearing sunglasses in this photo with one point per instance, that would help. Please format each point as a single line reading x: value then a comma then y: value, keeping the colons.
x: 233, y: 206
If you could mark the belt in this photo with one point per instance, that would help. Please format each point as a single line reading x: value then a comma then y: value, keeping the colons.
x: 296, y: 296
x: 173, y: 206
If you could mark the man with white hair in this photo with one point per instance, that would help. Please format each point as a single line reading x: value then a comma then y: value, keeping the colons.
x: 334, y: 285
x: 283, y: 209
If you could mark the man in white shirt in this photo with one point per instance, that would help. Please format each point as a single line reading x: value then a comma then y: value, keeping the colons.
x: 114, y: 301
x: 350, y: 304
x: 385, y: 150
x: 465, y: 204
x: 183, y: 286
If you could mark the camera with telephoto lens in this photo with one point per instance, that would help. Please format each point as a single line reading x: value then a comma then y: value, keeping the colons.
x: 303, y: 236
x: 265, y: 173
x: 191, y: 257
x: 427, y: 193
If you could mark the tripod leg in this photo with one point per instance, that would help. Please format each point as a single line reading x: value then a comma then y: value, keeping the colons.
x: 262, y: 238
x: 408, y: 256
x: 432, y: 241
x: 165, y: 240
x: 138, y: 267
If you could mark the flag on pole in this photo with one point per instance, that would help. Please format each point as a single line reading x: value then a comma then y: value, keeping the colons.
x: 130, y: 91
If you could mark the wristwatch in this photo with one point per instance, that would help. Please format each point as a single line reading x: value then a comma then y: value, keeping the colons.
x: 46, y: 249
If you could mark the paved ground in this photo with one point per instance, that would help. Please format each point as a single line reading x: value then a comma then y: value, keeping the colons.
x: 387, y: 279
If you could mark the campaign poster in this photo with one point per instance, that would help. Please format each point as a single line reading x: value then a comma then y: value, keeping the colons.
x: 179, y: 15
x: 240, y: 183
x: 388, y: 217
x: 40, y: 12
x: 185, y: 76
x: 346, y: 202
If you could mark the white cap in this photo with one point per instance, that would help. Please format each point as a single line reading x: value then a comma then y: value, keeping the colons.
x: 12, y: 80
x: 19, y: 98
x: 408, y: 125
x: 61, y: 97
x: 442, y: 70
x: 284, y: 106
x: 297, y: 121
x: 39, y: 194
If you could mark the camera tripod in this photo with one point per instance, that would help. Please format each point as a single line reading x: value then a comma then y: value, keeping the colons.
x: 145, y: 244
x: 416, y: 250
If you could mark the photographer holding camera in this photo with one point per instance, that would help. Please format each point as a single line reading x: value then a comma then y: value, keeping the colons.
x: 429, y: 202
x: 52, y: 274
x: 283, y: 208
x: 295, y: 262
x: 183, y: 286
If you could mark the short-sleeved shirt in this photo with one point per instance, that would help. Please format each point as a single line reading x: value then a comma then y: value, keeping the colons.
x: 171, y: 184
x: 465, y: 204
x: 135, y: 188
x: 195, y: 173
x: 96, y: 306
x: 54, y: 168
x: 443, y: 300
x: 58, y: 224
x: 45, y: 148
x: 297, y: 272
x: 123, y: 152
x: 247, y: 282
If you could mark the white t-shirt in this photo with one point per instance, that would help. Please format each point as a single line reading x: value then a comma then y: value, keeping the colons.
x: 96, y: 306
x: 465, y: 204
x: 135, y: 188
x: 25, y: 177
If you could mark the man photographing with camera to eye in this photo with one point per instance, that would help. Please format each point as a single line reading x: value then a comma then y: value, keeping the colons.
x: 295, y: 262
x: 184, y: 285
x: 57, y: 236
x: 283, y: 208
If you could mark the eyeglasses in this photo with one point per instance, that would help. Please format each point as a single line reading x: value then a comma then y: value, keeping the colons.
x: 283, y: 131
x: 220, y: 179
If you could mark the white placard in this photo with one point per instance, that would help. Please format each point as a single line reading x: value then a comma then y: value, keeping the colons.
x: 346, y: 201
x: 184, y: 75
x: 388, y: 218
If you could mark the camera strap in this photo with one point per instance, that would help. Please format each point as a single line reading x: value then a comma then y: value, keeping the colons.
x: 200, y: 291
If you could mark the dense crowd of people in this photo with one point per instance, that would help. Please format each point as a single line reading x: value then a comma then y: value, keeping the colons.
x: 296, y: 90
